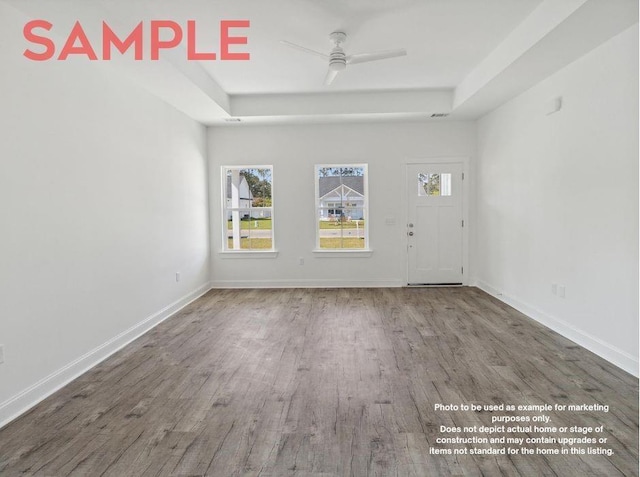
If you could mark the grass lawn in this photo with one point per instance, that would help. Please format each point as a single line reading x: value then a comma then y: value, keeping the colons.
x: 253, y: 244
x: 264, y: 224
x: 337, y: 242
x: 328, y: 224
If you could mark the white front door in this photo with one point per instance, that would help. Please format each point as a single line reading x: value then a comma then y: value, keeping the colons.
x: 434, y: 226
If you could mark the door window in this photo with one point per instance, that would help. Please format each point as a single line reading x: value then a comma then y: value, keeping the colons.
x: 434, y: 184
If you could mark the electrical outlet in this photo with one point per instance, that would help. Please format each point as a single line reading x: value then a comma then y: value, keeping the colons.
x: 561, y: 291
x: 1, y: 354
x: 177, y: 276
x: 554, y: 288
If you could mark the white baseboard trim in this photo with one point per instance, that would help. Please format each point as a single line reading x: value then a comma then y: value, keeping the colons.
x: 308, y: 283
x: 25, y: 400
x: 611, y: 353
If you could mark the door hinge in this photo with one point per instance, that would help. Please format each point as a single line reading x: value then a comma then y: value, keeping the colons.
x: 462, y: 270
x: 463, y: 176
x: 463, y: 223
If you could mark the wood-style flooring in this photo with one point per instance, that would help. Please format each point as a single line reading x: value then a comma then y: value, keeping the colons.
x: 324, y: 382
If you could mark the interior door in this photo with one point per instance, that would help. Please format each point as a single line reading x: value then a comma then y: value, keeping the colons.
x: 434, y: 226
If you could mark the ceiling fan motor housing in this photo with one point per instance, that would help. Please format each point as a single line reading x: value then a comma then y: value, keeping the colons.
x: 337, y: 59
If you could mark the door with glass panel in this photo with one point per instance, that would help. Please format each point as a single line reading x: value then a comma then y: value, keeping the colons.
x: 434, y: 226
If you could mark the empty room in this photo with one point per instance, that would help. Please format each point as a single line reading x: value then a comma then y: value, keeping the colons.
x: 319, y: 238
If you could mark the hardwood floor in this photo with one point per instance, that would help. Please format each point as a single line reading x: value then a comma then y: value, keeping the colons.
x: 325, y: 382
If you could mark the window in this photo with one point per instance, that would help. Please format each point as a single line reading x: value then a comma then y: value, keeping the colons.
x: 434, y: 184
x: 247, y: 208
x: 342, y: 207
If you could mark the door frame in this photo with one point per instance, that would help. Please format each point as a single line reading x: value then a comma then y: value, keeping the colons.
x: 464, y: 160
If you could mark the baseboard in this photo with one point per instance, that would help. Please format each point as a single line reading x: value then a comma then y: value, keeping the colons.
x: 611, y: 353
x: 308, y: 283
x: 25, y: 400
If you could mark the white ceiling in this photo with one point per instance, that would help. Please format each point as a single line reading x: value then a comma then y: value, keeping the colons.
x: 436, y: 34
x: 464, y: 57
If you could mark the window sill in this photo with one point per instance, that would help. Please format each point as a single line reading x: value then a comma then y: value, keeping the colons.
x: 327, y: 253
x: 248, y: 254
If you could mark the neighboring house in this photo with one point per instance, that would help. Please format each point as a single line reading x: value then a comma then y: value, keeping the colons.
x: 246, y: 197
x: 341, y: 197
x: 246, y: 200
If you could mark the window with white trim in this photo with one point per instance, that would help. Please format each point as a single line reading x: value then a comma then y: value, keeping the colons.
x: 342, y: 207
x: 247, y: 209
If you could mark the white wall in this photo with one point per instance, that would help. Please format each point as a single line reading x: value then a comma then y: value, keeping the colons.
x: 103, y: 197
x: 557, y: 201
x: 293, y: 150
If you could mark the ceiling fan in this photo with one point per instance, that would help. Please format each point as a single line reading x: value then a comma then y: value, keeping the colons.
x: 338, y: 60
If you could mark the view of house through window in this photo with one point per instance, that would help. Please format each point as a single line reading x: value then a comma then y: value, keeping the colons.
x: 341, y: 204
x: 248, y: 212
x: 434, y: 184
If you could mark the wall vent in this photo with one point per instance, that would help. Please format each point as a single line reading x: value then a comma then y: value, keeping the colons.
x: 439, y: 115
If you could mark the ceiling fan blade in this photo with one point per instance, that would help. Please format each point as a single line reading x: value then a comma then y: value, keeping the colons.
x: 306, y: 50
x: 379, y: 55
x: 331, y: 75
